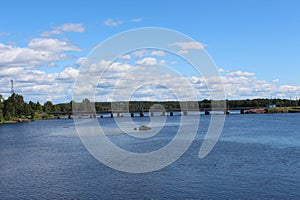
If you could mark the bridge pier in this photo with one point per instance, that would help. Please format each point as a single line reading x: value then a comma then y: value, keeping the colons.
x: 111, y: 115
x: 171, y: 113
x: 152, y: 114
x: 206, y: 112
x: 142, y: 114
x: 185, y: 113
x: 132, y: 114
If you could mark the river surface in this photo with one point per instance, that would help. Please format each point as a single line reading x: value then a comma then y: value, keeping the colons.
x: 256, y: 157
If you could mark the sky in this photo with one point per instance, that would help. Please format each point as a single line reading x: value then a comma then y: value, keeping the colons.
x: 254, y: 44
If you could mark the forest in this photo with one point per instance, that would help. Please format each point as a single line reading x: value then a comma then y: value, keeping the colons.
x: 15, y: 107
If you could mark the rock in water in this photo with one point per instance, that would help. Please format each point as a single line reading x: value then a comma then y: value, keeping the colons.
x: 144, y: 128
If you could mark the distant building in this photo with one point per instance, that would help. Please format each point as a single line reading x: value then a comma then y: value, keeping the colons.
x: 271, y: 106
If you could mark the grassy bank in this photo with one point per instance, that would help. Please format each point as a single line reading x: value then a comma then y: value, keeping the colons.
x: 283, y: 110
x: 37, y: 116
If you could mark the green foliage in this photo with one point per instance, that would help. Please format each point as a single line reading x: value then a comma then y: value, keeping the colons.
x: 48, y: 106
x: 1, y: 109
x: 15, y: 106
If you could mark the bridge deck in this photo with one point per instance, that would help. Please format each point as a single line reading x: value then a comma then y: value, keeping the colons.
x: 137, y: 111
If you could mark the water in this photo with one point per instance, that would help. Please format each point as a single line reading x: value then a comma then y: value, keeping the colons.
x: 257, y: 157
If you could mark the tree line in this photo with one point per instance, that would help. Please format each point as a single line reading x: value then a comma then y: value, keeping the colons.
x: 15, y: 106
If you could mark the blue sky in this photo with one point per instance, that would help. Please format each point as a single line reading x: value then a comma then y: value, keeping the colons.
x: 261, y: 38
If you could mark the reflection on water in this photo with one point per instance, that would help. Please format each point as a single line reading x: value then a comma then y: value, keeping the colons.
x: 257, y: 156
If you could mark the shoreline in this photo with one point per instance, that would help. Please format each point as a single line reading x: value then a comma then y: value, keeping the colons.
x: 250, y: 112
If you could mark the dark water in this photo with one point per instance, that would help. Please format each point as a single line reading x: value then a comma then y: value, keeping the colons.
x: 257, y: 157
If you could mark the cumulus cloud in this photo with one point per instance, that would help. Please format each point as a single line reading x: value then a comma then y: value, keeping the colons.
x: 80, y: 61
x: 113, y: 23
x: 2, y: 34
x: 240, y: 73
x: 17, y: 56
x: 221, y: 70
x: 188, y: 45
x: 71, y: 27
x: 158, y: 53
x: 103, y: 77
x: 39, y: 51
x: 147, y: 61
x: 140, y: 53
x: 125, y: 57
x: 162, y: 62
x: 68, y: 74
x: 51, y: 44
x: 137, y: 20
x: 38, y: 85
x: 182, y: 52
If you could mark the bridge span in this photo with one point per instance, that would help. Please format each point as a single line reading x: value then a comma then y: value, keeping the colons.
x: 141, y: 113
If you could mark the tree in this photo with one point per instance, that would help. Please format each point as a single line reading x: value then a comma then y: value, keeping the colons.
x: 32, y: 105
x: 48, y: 106
x: 1, y: 109
x: 39, y: 107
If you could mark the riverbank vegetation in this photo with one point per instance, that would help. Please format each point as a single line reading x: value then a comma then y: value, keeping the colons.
x: 15, y: 109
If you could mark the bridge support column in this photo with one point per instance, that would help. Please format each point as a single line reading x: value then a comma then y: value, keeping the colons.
x: 111, y: 115
x: 185, y: 113
x: 118, y: 114
x: 152, y: 114
x: 206, y: 112
x: 171, y: 114
x: 132, y: 114
x: 142, y: 114
x: 242, y: 111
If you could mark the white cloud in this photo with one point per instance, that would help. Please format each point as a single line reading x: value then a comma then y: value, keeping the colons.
x: 136, y: 20
x: 221, y: 70
x: 162, y: 62
x: 80, y: 61
x: 68, y: 73
x: 110, y: 22
x: 40, y: 51
x: 140, y: 53
x: 158, y: 53
x: 147, y: 61
x: 115, y: 23
x: 51, y: 44
x: 17, y: 56
x: 182, y: 52
x: 240, y: 73
x: 188, y: 45
x: 125, y: 57
x: 52, y: 64
x: 78, y: 28
x: 38, y: 85
x: 2, y: 34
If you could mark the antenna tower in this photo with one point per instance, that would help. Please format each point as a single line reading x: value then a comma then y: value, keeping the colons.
x: 12, y: 90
